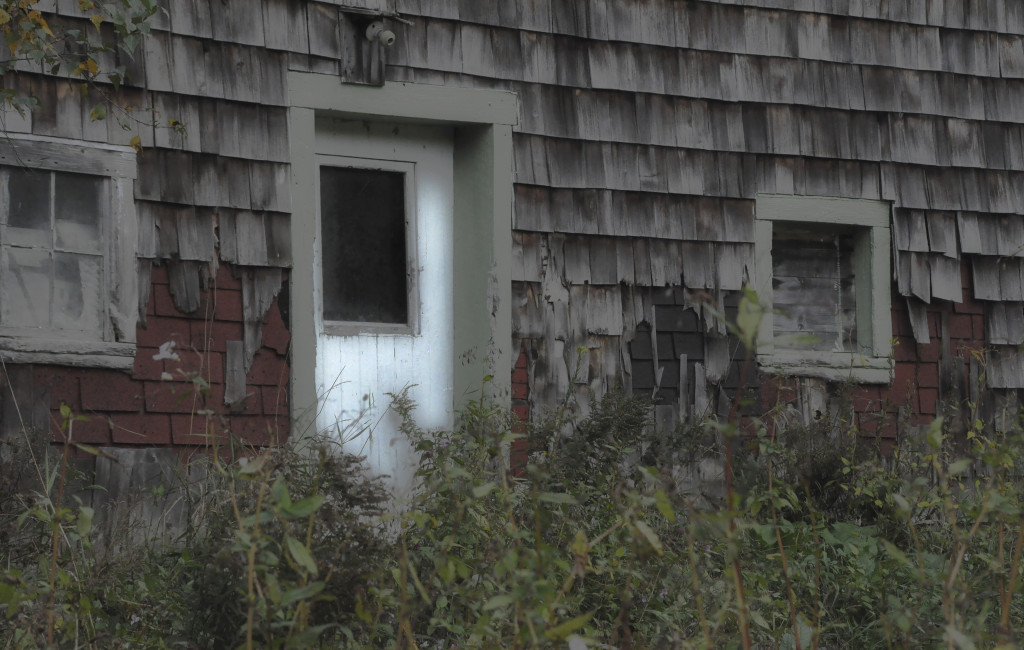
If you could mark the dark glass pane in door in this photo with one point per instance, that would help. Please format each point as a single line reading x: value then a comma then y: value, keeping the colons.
x: 363, y: 239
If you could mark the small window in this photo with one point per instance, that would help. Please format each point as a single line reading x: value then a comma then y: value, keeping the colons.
x: 68, y: 281
x: 823, y: 269
x: 368, y: 278
x: 52, y: 263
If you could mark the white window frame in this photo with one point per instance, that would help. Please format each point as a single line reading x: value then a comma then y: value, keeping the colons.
x: 408, y: 170
x: 870, y: 362
x: 115, y: 346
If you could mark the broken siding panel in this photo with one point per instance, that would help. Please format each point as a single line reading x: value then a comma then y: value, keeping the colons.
x: 1005, y: 367
x: 185, y: 285
x: 920, y: 276
x: 287, y: 27
x: 698, y: 261
x: 191, y: 18
x: 945, y: 278
x: 665, y: 262
x: 603, y: 261
x: 238, y: 22
x: 1011, y: 279
x: 986, y: 278
x: 239, y: 70
x: 196, y: 237
x: 270, y: 186
x: 593, y: 212
x: 157, y: 55
x: 1004, y: 323
x: 970, y: 233
x: 604, y: 312
x: 259, y: 288
x: 279, y: 239
x: 1011, y: 235
x: 942, y: 230
x: 323, y: 29
x: 577, y: 260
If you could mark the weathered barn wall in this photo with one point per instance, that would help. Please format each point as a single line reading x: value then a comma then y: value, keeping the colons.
x: 213, y: 204
x: 648, y: 128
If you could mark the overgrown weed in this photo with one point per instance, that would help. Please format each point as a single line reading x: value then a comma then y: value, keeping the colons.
x: 594, y: 543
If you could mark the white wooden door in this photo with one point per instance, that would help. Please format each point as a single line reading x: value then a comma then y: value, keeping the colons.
x: 358, y: 362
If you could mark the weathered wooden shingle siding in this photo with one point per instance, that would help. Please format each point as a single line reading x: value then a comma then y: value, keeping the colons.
x: 217, y: 190
x: 648, y: 128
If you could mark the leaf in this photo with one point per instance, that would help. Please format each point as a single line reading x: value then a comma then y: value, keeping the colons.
x: 664, y: 505
x: 301, y: 593
x: 580, y: 545
x: 87, y: 68
x: 99, y: 112
x: 496, y: 602
x: 361, y: 612
x: 748, y: 318
x: 960, y: 466
x: 303, y: 507
x: 308, y: 637
x: 759, y: 619
x: 556, y: 497
x: 279, y: 492
x: 483, y: 490
x: 301, y: 554
x: 84, y: 524
x: 961, y: 640
x: 255, y: 464
x: 566, y: 628
x: 577, y: 643
x: 96, y: 19
x: 419, y: 585
x: 650, y: 536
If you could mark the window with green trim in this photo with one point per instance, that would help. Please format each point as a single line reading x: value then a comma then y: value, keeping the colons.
x: 823, y: 268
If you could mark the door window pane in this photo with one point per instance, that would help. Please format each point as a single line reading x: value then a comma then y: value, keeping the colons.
x: 363, y: 229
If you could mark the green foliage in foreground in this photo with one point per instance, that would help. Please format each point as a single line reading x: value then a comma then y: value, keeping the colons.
x: 604, y: 541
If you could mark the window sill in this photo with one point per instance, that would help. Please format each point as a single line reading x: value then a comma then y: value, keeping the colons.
x: 338, y: 328
x: 82, y: 354
x: 831, y: 366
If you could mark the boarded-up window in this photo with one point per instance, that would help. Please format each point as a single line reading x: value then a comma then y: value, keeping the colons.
x: 823, y: 277
x: 364, y: 230
x: 813, y: 287
x: 52, y: 250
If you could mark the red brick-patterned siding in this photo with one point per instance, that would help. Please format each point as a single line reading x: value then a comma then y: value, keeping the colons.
x: 166, y: 402
x: 521, y: 408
